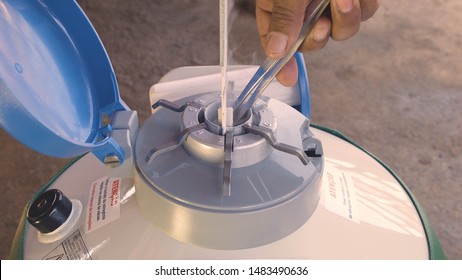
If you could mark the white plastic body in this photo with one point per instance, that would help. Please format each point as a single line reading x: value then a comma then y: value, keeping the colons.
x: 388, y: 225
x: 380, y: 221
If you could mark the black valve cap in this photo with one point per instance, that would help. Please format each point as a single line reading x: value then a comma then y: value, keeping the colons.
x: 49, y: 211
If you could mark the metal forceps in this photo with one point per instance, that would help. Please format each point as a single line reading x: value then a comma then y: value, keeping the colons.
x: 270, y: 67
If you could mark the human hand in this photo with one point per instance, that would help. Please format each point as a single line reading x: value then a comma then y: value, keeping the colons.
x: 279, y: 23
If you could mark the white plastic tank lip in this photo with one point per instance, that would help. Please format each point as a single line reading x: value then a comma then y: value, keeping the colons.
x: 63, y: 230
x: 200, y: 79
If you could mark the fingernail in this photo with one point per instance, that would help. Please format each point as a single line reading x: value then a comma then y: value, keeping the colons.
x: 345, y: 6
x: 320, y: 33
x: 277, y: 43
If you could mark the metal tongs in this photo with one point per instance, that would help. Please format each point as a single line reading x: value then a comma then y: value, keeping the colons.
x: 270, y: 67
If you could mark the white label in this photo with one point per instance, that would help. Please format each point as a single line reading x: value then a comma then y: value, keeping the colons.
x: 73, y: 248
x: 340, y: 193
x: 103, y: 203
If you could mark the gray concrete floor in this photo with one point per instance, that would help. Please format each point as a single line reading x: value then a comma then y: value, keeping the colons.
x: 395, y: 88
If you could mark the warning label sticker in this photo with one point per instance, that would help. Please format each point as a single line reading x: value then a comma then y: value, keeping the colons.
x: 340, y: 193
x: 73, y: 248
x: 103, y: 204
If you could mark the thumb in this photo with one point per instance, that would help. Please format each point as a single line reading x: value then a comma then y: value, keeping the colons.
x: 286, y: 21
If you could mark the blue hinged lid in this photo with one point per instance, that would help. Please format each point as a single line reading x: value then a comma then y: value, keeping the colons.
x: 56, y: 80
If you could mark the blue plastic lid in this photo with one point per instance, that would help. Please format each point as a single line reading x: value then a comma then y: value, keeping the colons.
x: 56, y: 80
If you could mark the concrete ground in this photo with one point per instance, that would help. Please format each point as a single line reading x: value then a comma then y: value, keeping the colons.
x: 395, y: 88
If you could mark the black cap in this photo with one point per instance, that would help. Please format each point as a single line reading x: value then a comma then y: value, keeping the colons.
x: 49, y: 211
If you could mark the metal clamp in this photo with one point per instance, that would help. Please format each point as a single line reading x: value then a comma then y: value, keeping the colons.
x: 173, y: 106
x: 171, y: 146
x: 229, y: 143
x: 271, y: 139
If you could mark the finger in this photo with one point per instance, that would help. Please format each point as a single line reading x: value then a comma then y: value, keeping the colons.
x: 368, y: 8
x: 318, y: 36
x: 289, y: 74
x: 285, y: 23
x: 346, y: 18
x: 263, y: 16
